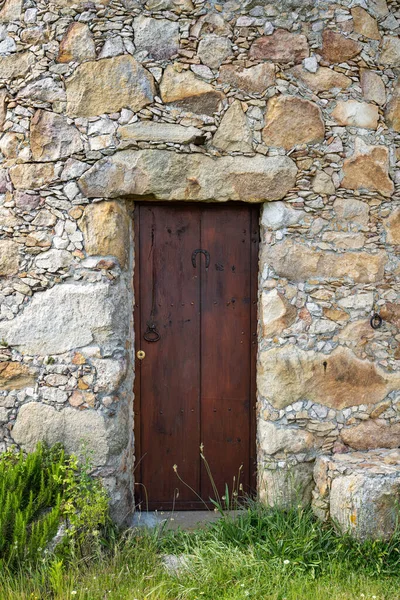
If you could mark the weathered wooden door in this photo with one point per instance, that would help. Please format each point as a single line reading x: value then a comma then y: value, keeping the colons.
x: 196, y: 323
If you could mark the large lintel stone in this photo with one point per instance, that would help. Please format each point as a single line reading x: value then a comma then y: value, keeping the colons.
x: 168, y: 175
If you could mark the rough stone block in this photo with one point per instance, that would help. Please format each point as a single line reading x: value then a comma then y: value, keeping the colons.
x: 287, y: 486
x: 359, y: 491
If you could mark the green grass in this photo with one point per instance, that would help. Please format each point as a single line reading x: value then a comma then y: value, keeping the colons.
x: 263, y: 554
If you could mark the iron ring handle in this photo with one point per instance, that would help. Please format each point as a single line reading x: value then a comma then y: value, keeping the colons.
x: 376, y: 321
x: 151, y: 334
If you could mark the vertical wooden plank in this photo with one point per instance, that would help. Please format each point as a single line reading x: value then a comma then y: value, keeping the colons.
x: 170, y: 373
x: 226, y: 328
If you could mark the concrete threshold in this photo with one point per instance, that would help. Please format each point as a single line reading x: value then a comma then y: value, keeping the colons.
x: 183, y: 519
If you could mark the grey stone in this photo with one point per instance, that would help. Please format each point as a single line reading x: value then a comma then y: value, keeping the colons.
x: 53, y: 260
x: 69, y: 316
x: 43, y: 90
x: 390, y: 54
x: 155, y: 131
x: 172, y: 176
x: 113, y: 46
x: 72, y: 428
x: 350, y: 209
x: 51, y: 394
x: 52, y: 137
x: 286, y: 487
x: 213, y: 50
x: 8, y: 45
x: 277, y: 215
x: 158, y: 37
x: 274, y: 439
x: 109, y: 373
x: 73, y: 168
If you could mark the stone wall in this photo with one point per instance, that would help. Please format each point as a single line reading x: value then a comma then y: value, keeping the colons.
x: 292, y: 103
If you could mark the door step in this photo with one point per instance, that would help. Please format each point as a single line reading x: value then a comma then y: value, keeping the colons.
x: 185, y: 519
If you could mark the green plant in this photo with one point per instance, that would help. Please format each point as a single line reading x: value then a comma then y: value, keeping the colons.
x: 41, y: 491
x: 85, y: 505
x: 30, y: 502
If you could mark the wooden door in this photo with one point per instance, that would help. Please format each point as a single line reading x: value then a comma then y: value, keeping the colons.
x: 196, y: 322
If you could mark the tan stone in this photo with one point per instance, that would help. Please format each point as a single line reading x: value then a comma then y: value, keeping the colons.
x: 276, y: 313
x: 11, y: 143
x: 344, y: 240
x: 3, y: 108
x: 234, y: 133
x: 368, y: 169
x: 392, y: 113
x: 337, y: 48
x: 251, y: 80
x: 11, y: 11
x: 105, y: 227
x: 189, y: 176
x: 392, y: 227
x: 334, y: 314
x: 280, y: 47
x: 372, y: 87
x: 372, y: 434
x: 9, y: 258
x: 107, y: 85
x: 77, y: 44
x: 211, y: 22
x: 323, y: 184
x: 52, y: 137
x: 356, y: 114
x: 32, y: 176
x: 364, y: 24
x: 291, y: 121
x: 390, y: 54
x: 183, y: 89
x: 16, y: 65
x: 390, y: 312
x: 8, y: 218
x: 71, y: 3
x: 323, y: 80
x: 156, y: 131
x: 339, y: 380
x: 298, y: 262
x: 15, y: 376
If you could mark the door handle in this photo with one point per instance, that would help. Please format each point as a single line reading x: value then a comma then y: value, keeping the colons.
x: 141, y: 355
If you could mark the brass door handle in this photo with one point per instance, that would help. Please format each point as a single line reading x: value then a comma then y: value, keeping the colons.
x: 140, y: 354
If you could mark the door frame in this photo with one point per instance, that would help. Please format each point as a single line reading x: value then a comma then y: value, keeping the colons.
x: 139, y: 494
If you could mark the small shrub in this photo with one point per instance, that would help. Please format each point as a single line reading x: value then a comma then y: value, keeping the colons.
x: 41, y: 491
